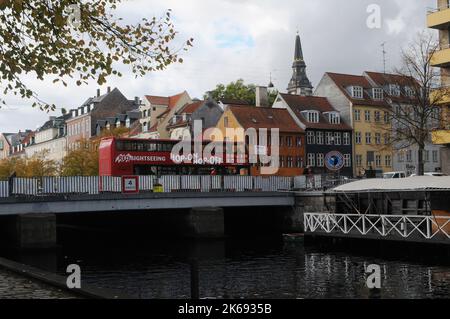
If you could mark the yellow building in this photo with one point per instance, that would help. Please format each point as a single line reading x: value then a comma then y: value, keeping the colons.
x: 362, y: 105
x: 439, y: 19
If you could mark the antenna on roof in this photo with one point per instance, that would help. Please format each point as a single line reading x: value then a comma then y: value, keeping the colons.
x: 383, y: 45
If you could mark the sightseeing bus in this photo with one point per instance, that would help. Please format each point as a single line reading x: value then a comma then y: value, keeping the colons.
x: 128, y: 156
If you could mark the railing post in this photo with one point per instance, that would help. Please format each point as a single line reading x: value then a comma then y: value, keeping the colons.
x: 428, y: 227
x: 364, y: 224
x: 345, y: 224
x: 405, y: 229
x: 383, y: 228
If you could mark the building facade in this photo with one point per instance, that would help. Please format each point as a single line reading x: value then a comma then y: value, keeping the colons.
x: 158, y: 111
x: 364, y: 108
x: 438, y: 19
x: 83, y: 121
x: 328, y: 146
x: 263, y: 120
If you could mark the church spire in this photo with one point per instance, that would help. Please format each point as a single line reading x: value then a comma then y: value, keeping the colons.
x: 299, y: 83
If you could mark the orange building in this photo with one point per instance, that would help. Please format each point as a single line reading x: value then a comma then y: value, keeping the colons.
x: 243, y: 118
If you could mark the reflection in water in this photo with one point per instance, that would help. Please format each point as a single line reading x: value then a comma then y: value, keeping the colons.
x: 244, y: 269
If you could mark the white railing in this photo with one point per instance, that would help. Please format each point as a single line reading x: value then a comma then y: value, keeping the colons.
x: 403, y: 226
x: 4, y: 189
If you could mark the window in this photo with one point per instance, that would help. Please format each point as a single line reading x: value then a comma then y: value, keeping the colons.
x: 377, y: 93
x: 299, y: 162
x: 128, y: 123
x: 337, y: 138
x: 347, y: 160
x: 388, y: 161
x: 313, y: 117
x: 387, y: 138
x: 377, y: 117
x: 310, y: 138
x: 409, y: 156
x: 378, y: 138
x: 367, y: 116
x: 357, y: 92
x: 298, y: 141
x: 145, y: 113
x: 378, y: 160
x: 359, y: 160
x: 334, y: 118
x: 1, y: 146
x: 290, y: 162
x: 401, y: 157
x: 144, y: 127
x: 435, y: 156
x: 346, y: 138
x: 387, y: 118
x: 329, y: 138
x: 320, y: 160
x: 426, y: 156
x: 319, y: 138
x: 225, y: 121
x: 394, y: 90
x: 311, y: 160
x: 357, y: 115
x: 409, y: 91
x: 281, y: 161
x: 368, y: 138
x: 358, y: 138
x: 289, y: 141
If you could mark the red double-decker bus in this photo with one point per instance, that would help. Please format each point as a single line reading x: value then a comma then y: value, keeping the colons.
x: 128, y: 156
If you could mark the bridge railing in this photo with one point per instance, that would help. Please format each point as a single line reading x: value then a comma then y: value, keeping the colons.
x: 385, y: 226
x: 93, y: 185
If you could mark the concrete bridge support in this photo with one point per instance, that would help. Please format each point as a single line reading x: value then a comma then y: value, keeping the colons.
x: 206, y: 222
x: 36, y: 231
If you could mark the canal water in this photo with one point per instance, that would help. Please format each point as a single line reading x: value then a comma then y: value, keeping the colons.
x: 246, y: 268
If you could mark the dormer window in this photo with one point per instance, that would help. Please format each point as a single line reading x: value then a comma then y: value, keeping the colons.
x: 128, y: 123
x: 334, y: 118
x: 394, y: 90
x: 312, y: 116
x: 377, y: 93
x: 357, y: 92
x: 86, y: 109
x: 409, y: 92
x: 108, y: 126
x: 118, y: 123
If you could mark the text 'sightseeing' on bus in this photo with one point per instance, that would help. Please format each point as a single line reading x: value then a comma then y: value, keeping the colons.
x: 122, y: 156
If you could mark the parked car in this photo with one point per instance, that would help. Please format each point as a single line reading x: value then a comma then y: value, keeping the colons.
x: 390, y: 175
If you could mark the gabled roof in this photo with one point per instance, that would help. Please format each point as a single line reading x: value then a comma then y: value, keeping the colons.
x: 345, y: 81
x: 385, y: 79
x: 264, y: 117
x: 299, y: 104
x: 169, y: 101
x: 191, y: 108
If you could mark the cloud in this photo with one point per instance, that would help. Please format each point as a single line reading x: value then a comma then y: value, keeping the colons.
x: 248, y: 39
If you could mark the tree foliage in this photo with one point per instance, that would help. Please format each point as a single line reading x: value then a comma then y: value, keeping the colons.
x: 36, y: 166
x: 413, y: 121
x: 83, y: 160
x: 78, y: 39
x: 238, y: 90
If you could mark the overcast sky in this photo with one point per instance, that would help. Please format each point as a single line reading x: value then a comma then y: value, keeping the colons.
x: 248, y: 39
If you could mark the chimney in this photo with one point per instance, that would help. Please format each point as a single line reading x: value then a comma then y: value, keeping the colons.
x: 109, y: 89
x: 136, y: 101
x: 262, y: 97
x: 98, y: 92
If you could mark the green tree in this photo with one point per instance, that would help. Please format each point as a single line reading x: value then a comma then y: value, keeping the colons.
x: 78, y: 39
x: 238, y: 90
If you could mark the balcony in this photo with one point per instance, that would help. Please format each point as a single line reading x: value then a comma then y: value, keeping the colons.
x: 441, y: 58
x: 439, y: 18
x: 441, y: 137
x: 440, y: 96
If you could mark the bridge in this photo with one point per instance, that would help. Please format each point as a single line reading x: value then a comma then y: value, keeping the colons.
x: 194, y: 206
